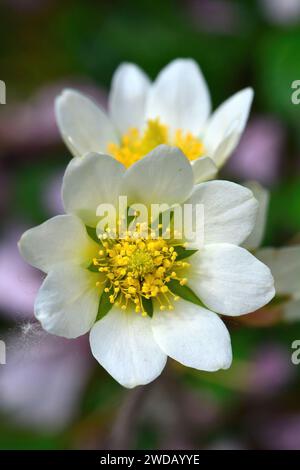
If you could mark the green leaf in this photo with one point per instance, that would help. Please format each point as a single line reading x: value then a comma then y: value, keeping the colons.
x: 183, y: 253
x: 148, y: 306
x: 93, y: 268
x: 184, y: 292
x: 104, y: 303
x: 91, y: 231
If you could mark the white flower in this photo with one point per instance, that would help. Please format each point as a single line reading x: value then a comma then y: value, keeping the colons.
x: 174, y: 109
x: 284, y: 262
x: 130, y: 343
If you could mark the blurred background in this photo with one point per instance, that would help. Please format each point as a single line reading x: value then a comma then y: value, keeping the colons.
x: 53, y: 394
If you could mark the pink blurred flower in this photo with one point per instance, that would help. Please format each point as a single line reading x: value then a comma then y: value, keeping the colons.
x: 271, y: 370
x: 19, y: 282
x: 280, y: 432
x: 30, y: 126
x: 44, y: 377
x: 258, y: 155
x: 216, y: 16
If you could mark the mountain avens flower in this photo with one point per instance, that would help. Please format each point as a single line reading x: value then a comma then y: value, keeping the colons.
x: 146, y: 297
x: 175, y: 109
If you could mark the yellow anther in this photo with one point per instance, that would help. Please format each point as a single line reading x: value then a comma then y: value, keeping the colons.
x: 164, y: 289
x: 134, y: 144
x: 138, y: 267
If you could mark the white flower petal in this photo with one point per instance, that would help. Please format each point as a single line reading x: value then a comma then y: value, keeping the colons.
x: 67, y: 303
x: 285, y: 267
x: 226, y: 125
x: 229, y: 211
x: 123, y: 343
x: 60, y: 239
x: 229, y: 280
x: 179, y: 97
x: 204, y: 169
x: 83, y: 125
x: 193, y: 336
x: 262, y: 196
x: 163, y: 176
x: 90, y: 181
x: 127, y: 97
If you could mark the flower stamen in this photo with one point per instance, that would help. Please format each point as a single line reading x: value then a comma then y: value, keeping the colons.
x: 134, y: 144
x: 138, y: 267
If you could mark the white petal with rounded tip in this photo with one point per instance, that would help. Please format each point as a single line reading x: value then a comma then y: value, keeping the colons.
x: 229, y: 211
x: 193, y: 336
x: 285, y: 267
x: 226, y: 125
x: 163, y: 176
x: 90, y: 181
x: 127, y: 97
x: 229, y: 280
x: 123, y: 343
x: 67, y: 302
x: 179, y: 97
x: 262, y: 196
x: 204, y: 169
x: 83, y: 125
x: 60, y: 239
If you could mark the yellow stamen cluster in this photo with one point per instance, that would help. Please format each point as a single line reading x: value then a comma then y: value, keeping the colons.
x: 134, y: 144
x: 138, y: 268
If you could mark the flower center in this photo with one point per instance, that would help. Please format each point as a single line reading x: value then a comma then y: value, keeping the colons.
x: 134, y: 144
x: 137, y: 269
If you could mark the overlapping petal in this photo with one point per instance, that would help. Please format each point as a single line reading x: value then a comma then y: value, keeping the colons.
x: 204, y: 169
x: 83, y: 125
x: 88, y: 182
x: 229, y: 211
x: 67, y: 302
x: 128, y: 96
x: 193, y: 336
x: 123, y: 343
x: 262, y: 196
x: 226, y: 124
x: 163, y: 176
x: 229, y: 280
x: 59, y: 240
x: 179, y: 97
